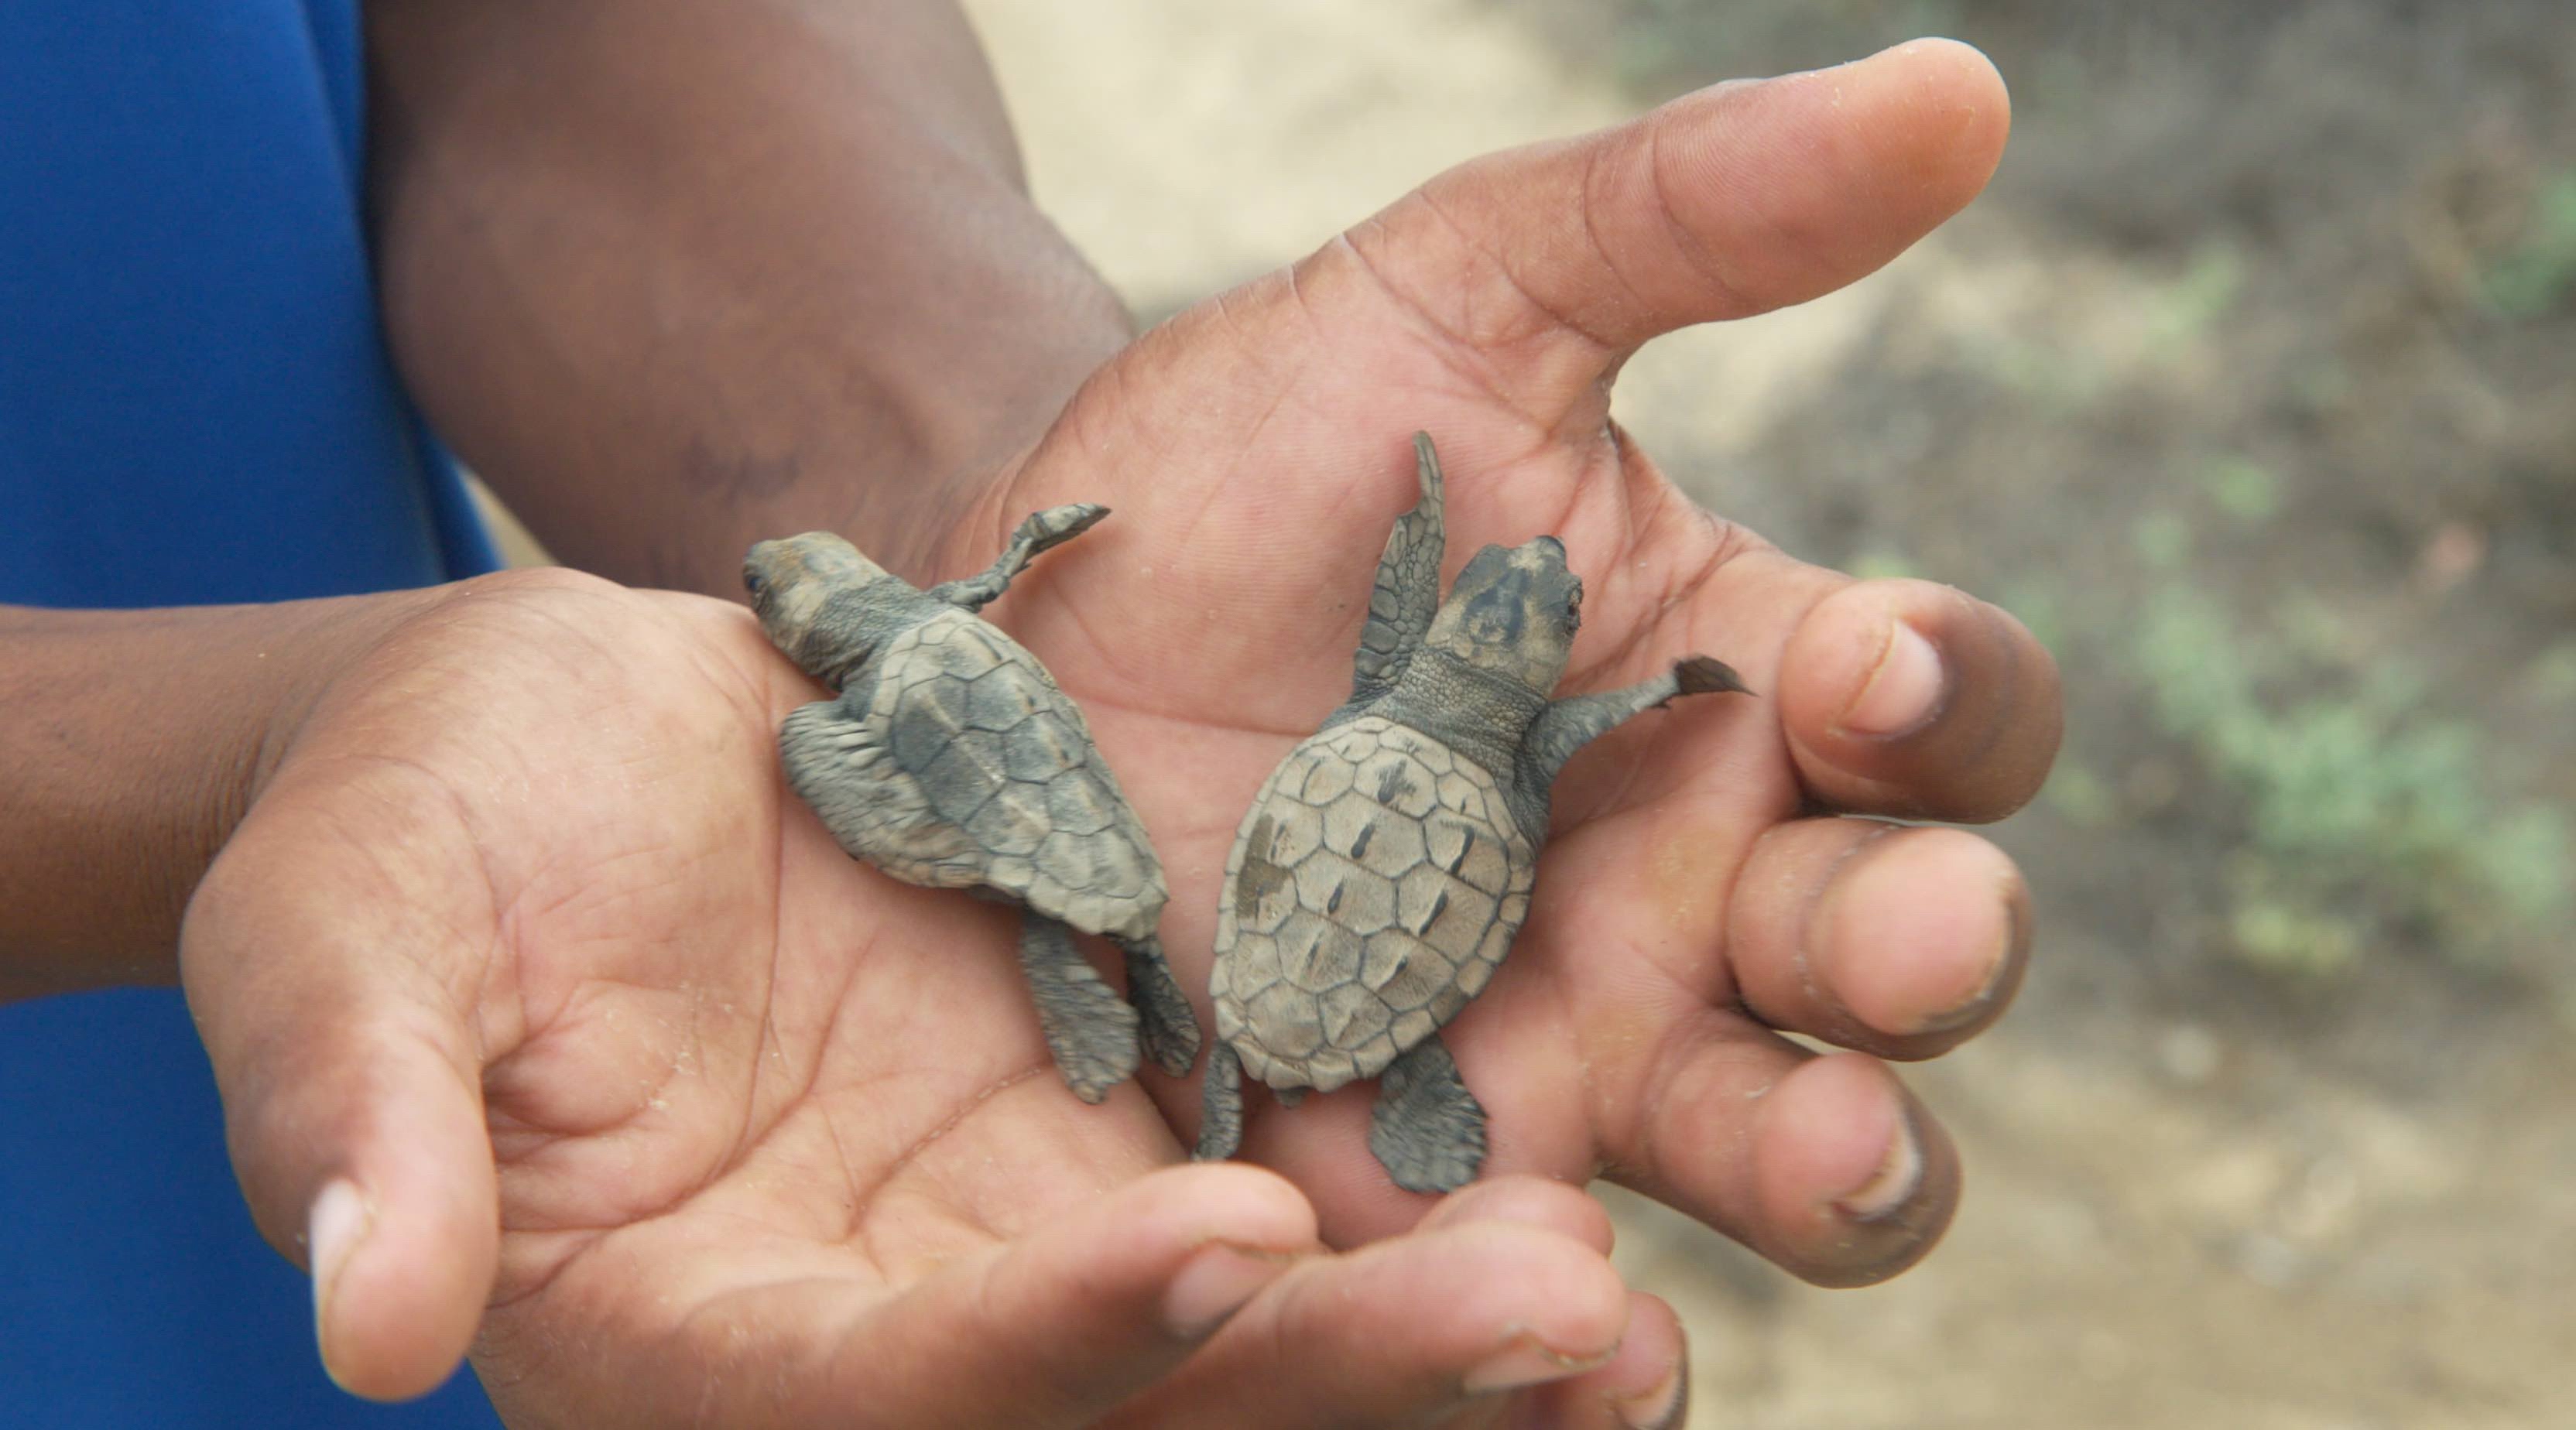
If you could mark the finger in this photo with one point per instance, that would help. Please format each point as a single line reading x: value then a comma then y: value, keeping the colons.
x: 1825, y: 1165
x: 1063, y: 1324
x: 1724, y: 203
x: 1527, y: 1201
x: 351, y: 1094
x: 1406, y: 1329
x: 1903, y: 942
x: 1645, y: 1386
x: 1914, y: 699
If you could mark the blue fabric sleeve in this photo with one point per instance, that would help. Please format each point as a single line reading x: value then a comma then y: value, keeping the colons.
x: 195, y: 406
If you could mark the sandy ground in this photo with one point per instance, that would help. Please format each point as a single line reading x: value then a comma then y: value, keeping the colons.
x: 2173, y: 1219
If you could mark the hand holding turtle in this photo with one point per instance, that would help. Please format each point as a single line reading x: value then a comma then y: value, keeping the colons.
x: 1386, y: 864
x: 1711, y: 879
x: 548, y: 1019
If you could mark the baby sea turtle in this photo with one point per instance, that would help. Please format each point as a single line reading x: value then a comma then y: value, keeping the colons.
x: 1381, y: 873
x: 951, y: 760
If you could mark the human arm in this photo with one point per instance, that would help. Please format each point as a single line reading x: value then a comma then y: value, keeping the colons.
x: 133, y: 742
x: 674, y: 276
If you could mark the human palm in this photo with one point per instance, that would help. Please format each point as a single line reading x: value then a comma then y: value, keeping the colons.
x: 631, y: 1068
x: 760, y: 1129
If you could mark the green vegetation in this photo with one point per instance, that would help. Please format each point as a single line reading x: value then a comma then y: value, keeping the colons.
x: 2201, y: 298
x: 2367, y: 818
x: 2539, y: 273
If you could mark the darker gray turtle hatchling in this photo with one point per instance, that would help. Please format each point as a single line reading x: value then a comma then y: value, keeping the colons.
x: 1379, y: 878
x: 950, y: 759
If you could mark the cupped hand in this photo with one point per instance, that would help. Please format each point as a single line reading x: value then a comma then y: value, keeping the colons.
x: 1713, y: 879
x: 546, y: 1019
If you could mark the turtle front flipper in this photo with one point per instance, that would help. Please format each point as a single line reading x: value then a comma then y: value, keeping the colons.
x: 1570, y: 724
x: 1041, y: 532
x: 1428, y: 1131
x: 838, y: 759
x: 1169, y: 1027
x: 1221, y: 1121
x: 1408, y: 586
x: 1088, y: 1027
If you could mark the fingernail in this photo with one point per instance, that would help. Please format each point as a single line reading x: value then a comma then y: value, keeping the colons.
x: 1526, y: 1362
x: 340, y: 1220
x: 1969, y: 1009
x: 1893, y: 1184
x: 1903, y: 692
x: 1660, y: 1408
x: 1215, y: 1284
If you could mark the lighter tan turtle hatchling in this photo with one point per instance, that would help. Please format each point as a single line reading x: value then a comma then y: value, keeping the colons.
x: 950, y: 759
x: 1379, y: 878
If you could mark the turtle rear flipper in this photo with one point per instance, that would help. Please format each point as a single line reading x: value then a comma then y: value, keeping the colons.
x: 1169, y: 1028
x: 1089, y: 1028
x: 1427, y: 1129
x: 1221, y: 1123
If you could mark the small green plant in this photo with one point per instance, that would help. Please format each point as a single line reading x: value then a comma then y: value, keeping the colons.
x: 2368, y: 818
x: 2243, y: 488
x: 2539, y: 273
x: 2201, y: 297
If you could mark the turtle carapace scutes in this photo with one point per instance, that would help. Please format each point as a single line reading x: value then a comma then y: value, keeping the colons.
x: 1379, y: 877
x: 949, y: 758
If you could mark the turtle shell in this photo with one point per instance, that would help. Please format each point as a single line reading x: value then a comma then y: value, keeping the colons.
x: 1374, y: 887
x: 999, y: 754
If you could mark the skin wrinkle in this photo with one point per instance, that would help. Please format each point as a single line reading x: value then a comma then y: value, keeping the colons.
x: 356, y: 838
x: 755, y: 1133
x: 1216, y: 491
x: 1499, y: 265
x: 857, y: 1219
x: 1686, y: 1043
x: 1595, y: 166
x: 1450, y: 346
x: 769, y: 1034
x: 732, y: 1162
x: 965, y: 1112
x: 914, y: 1151
x: 1702, y: 260
x: 542, y: 1136
x: 1688, y: 991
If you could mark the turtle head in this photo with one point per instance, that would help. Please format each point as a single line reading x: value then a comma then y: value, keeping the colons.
x: 791, y: 582
x: 1513, y: 612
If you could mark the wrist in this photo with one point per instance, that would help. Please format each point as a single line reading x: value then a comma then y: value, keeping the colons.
x: 131, y: 745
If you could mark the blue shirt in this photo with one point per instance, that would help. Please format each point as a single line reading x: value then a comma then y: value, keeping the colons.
x: 195, y: 406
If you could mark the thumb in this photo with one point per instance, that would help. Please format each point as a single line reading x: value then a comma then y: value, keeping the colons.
x: 1559, y: 259
x: 326, y: 988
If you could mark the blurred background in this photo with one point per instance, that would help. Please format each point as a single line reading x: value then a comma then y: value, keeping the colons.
x: 2251, y: 386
